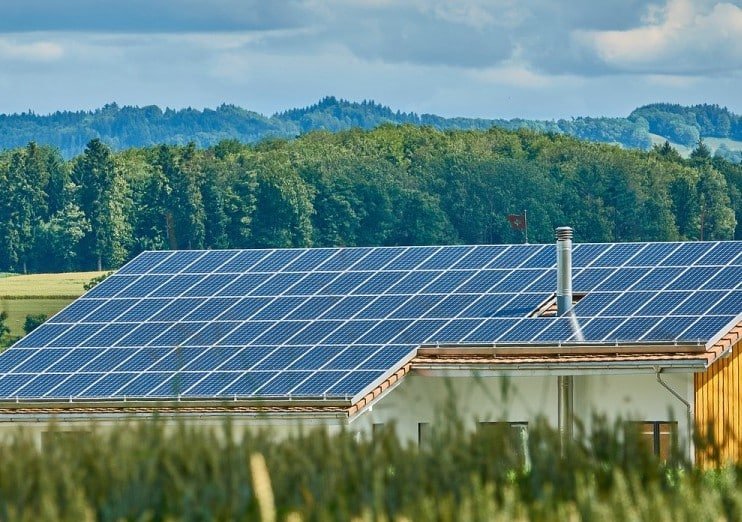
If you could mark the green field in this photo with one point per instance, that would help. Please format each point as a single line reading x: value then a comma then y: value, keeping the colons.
x: 713, y: 144
x: 21, y: 295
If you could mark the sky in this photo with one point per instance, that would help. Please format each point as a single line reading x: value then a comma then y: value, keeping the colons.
x: 543, y: 59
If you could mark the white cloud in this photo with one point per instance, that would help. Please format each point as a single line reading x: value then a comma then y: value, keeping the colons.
x: 514, y: 75
x: 489, y: 58
x: 39, y: 51
x: 685, y: 39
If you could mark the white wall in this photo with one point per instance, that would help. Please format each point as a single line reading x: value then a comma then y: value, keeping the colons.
x: 278, y: 427
x: 424, y: 398
x: 421, y: 398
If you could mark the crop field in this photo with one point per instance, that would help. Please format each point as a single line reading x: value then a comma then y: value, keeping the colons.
x: 21, y: 295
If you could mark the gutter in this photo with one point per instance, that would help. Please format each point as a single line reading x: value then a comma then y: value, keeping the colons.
x: 693, y: 365
x: 688, y: 408
x: 576, y: 348
x: 311, y: 418
x: 174, y: 404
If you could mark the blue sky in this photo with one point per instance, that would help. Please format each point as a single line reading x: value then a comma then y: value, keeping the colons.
x: 484, y: 58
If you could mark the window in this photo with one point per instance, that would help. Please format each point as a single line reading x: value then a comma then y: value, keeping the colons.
x: 658, y: 435
x: 63, y: 439
x: 423, y: 434
x: 517, y: 434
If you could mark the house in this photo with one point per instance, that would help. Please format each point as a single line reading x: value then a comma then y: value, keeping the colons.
x: 359, y: 337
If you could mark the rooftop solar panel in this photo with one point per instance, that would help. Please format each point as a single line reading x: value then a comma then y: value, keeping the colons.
x: 329, y: 322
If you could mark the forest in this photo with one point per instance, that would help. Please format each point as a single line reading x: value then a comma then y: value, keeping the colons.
x: 127, y: 127
x: 394, y: 185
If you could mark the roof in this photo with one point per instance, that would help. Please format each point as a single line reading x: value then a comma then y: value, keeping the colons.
x: 334, y: 324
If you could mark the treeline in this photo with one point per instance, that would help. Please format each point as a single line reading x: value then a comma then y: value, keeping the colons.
x: 134, y: 127
x: 686, y: 125
x: 395, y: 185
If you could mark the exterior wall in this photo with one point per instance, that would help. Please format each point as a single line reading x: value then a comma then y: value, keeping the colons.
x: 424, y: 398
x: 240, y: 424
x: 636, y: 397
x: 420, y: 398
x: 718, y: 394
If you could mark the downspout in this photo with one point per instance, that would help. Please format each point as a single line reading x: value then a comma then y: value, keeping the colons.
x: 565, y: 383
x: 688, y: 410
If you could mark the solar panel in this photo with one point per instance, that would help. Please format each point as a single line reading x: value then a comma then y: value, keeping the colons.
x: 248, y: 383
x: 144, y: 262
x: 176, y: 262
x: 209, y: 263
x: 76, y: 311
x: 722, y: 254
x: 318, y: 383
x: 330, y: 322
x: 110, y: 310
x: 212, y: 384
x: 277, y: 260
x: 618, y: 255
x: 176, y: 384
x: 310, y: 260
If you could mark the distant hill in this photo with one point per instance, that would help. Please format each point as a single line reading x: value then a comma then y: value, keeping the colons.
x: 125, y: 127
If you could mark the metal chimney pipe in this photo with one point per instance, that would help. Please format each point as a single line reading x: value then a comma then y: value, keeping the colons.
x: 565, y: 383
x: 564, y: 269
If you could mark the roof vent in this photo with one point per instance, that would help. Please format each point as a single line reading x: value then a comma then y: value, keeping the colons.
x: 564, y: 270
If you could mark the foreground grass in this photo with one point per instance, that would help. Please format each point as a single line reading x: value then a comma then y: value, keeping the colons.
x: 144, y: 471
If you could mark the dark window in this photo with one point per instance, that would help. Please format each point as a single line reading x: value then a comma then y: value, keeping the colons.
x: 659, y: 436
x: 64, y: 440
x: 423, y: 434
x: 516, y: 433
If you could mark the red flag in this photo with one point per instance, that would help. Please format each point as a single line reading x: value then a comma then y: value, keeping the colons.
x: 517, y: 221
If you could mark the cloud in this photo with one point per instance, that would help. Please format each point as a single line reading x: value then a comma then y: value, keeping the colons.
x: 489, y: 58
x: 37, y: 51
x: 142, y: 16
x: 680, y: 39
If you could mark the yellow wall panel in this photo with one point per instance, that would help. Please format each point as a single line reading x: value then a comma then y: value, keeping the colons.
x: 717, y: 404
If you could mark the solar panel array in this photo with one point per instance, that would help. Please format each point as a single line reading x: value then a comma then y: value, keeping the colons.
x: 332, y: 322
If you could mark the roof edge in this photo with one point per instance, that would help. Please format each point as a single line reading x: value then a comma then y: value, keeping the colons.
x: 523, y: 349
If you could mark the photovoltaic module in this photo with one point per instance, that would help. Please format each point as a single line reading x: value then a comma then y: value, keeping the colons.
x: 330, y: 323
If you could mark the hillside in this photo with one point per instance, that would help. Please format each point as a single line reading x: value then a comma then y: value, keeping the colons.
x: 127, y: 127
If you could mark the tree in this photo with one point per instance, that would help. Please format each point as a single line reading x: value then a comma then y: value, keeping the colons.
x: 667, y: 151
x: 701, y: 152
x: 683, y: 191
x: 717, y: 216
x: 24, y: 207
x: 32, y: 322
x: 102, y: 197
x: 59, y: 189
x: 184, y: 210
x: 59, y: 238
x: 4, y: 330
x: 283, y: 205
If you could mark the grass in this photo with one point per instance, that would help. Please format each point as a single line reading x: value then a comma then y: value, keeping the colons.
x: 18, y: 309
x: 21, y: 295
x: 149, y: 471
x: 62, y: 286
x: 713, y: 144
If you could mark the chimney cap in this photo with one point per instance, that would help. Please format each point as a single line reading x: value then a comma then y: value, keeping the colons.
x: 564, y: 233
